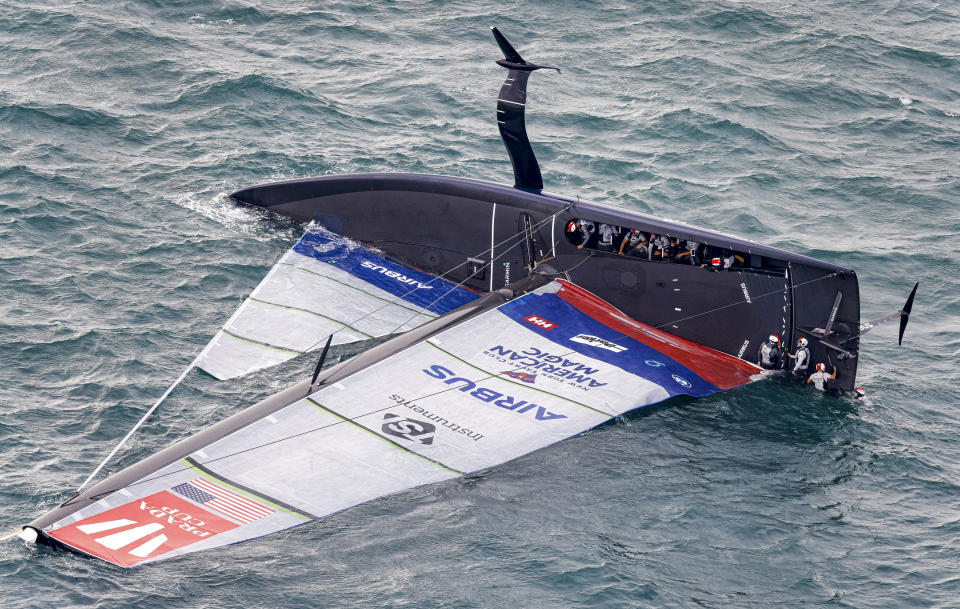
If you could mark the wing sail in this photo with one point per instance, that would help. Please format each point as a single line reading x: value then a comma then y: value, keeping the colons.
x: 543, y: 367
x: 326, y: 285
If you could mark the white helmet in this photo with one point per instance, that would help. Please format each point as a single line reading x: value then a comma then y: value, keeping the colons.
x: 821, y: 367
x: 802, y: 342
x: 774, y: 339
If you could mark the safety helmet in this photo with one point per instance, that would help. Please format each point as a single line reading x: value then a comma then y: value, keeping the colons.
x: 774, y: 339
x: 802, y: 342
x: 821, y: 367
x: 572, y: 226
x: 860, y: 391
x: 715, y: 262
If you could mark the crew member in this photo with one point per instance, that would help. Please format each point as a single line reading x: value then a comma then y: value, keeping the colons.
x: 768, y: 355
x: 858, y: 393
x: 635, y: 244
x: 820, y: 377
x: 801, y: 358
x: 607, y: 233
x: 586, y: 228
x: 691, y: 247
x: 660, y: 246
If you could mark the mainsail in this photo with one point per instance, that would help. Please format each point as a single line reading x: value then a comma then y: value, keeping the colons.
x: 326, y: 284
x: 540, y: 368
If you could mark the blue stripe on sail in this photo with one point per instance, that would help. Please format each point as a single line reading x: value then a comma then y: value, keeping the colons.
x: 638, y: 359
x: 415, y: 287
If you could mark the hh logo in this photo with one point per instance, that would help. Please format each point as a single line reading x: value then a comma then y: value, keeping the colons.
x: 540, y: 322
x: 408, y: 429
x: 142, y: 529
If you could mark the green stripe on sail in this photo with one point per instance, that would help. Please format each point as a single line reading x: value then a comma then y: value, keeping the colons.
x: 249, y: 495
x: 289, y: 308
x: 379, y: 437
x: 249, y: 341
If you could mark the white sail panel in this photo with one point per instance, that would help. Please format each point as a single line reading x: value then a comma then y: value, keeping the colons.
x: 530, y: 373
x: 325, y: 285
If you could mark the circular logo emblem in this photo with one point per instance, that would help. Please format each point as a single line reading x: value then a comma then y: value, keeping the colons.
x: 682, y: 381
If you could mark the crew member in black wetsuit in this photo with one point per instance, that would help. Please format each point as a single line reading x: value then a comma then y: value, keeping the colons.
x: 691, y: 250
x: 768, y: 355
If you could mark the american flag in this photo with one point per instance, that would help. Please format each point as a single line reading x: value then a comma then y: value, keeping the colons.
x: 226, y: 502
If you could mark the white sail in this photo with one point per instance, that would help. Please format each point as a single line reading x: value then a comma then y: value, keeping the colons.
x: 541, y: 368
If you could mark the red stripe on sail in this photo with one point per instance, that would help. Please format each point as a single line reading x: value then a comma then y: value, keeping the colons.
x: 720, y: 369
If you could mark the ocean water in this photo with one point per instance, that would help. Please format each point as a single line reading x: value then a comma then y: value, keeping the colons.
x: 830, y: 129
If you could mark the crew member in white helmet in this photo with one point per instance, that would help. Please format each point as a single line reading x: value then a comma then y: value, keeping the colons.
x: 586, y: 229
x: 634, y: 244
x: 768, y: 355
x: 801, y: 358
x: 820, y: 377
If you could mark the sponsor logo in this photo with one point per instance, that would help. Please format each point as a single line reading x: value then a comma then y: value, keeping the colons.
x: 395, y: 275
x: 520, y: 376
x: 596, y: 341
x: 143, y: 529
x: 411, y: 430
x: 743, y: 348
x: 746, y: 294
x: 506, y: 273
x: 555, y: 367
x: 490, y: 396
x: 682, y: 381
x: 540, y: 322
x: 435, y: 419
x: 654, y: 363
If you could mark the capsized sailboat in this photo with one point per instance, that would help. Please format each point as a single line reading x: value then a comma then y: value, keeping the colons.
x: 514, y: 326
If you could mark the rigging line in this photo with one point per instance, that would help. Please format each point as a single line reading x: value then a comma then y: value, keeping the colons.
x: 565, y: 271
x: 517, y: 237
x: 743, y: 300
x: 143, y: 419
x: 492, y: 260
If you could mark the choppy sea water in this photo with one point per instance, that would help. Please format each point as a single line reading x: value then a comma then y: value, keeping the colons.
x: 830, y: 128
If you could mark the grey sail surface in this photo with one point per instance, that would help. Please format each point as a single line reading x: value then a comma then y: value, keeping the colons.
x: 540, y: 368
